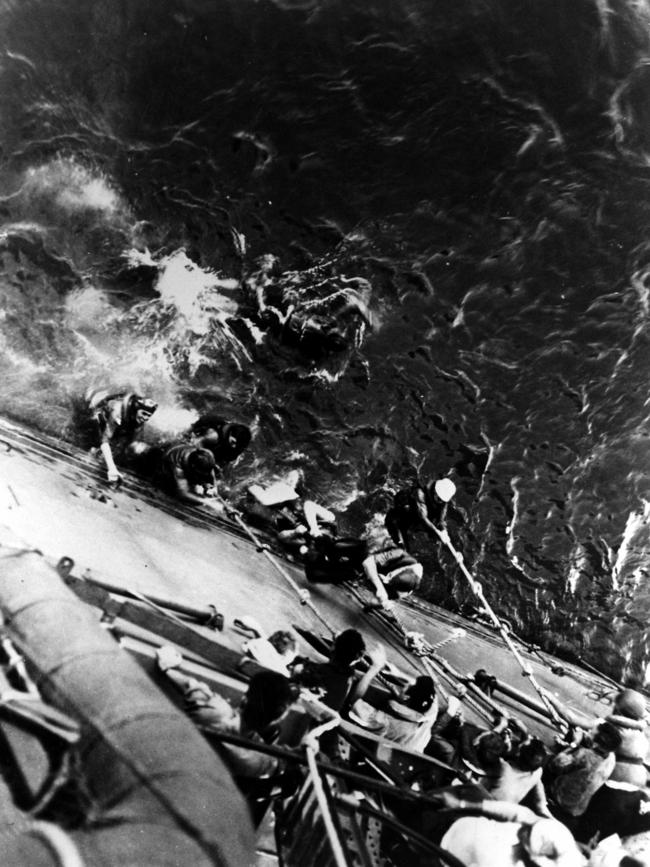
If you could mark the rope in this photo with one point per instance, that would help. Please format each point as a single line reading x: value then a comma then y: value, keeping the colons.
x: 301, y: 592
x: 478, y: 592
x: 426, y: 653
x: 465, y: 690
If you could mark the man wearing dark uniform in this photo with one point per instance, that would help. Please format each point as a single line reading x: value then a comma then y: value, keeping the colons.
x: 226, y: 440
x: 418, y: 508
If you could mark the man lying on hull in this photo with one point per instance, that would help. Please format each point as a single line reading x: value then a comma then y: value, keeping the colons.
x: 294, y: 519
x: 115, y: 418
x: 184, y: 470
x: 309, y: 530
x: 189, y: 473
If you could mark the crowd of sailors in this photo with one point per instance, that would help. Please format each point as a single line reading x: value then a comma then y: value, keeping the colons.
x: 503, y: 795
x: 190, y: 469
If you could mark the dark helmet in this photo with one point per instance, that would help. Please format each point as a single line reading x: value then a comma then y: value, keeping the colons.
x: 349, y: 646
x: 630, y: 703
x: 420, y: 694
x: 241, y: 435
x: 200, y: 464
x: 532, y: 754
x: 608, y: 736
x: 269, y: 695
x: 143, y: 404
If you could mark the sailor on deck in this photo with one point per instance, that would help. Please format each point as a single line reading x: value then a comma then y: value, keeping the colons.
x: 390, y: 569
x: 338, y: 678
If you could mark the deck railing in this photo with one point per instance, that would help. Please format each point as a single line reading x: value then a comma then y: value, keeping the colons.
x: 339, y: 817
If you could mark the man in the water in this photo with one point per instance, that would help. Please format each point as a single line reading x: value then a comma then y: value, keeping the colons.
x: 225, y: 439
x: 421, y: 507
x: 116, y: 418
x: 293, y: 518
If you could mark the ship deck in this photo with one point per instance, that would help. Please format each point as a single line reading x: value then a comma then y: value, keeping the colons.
x: 52, y: 496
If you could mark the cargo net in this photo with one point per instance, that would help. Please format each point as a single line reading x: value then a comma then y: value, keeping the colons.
x: 345, y: 818
x: 344, y: 801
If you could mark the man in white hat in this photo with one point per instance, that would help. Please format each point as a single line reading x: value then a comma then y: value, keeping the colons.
x: 421, y: 507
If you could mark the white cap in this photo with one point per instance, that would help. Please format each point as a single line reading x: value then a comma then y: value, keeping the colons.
x: 445, y: 489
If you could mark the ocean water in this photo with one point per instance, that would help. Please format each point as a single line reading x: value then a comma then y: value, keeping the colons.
x: 475, y: 174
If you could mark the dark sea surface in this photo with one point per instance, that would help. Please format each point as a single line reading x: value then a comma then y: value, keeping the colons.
x: 478, y: 171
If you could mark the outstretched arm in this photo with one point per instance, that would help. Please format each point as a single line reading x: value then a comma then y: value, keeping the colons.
x: 503, y: 811
x: 538, y: 802
x: 377, y: 662
x: 114, y: 474
x: 313, y: 513
x: 183, y: 491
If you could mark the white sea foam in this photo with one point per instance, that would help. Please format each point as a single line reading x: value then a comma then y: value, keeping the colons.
x: 632, y: 551
x: 193, y: 290
x: 88, y: 309
x: 172, y: 420
x: 72, y: 187
x: 199, y: 295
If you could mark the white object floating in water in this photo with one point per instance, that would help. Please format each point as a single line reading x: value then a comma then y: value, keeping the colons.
x: 275, y: 494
